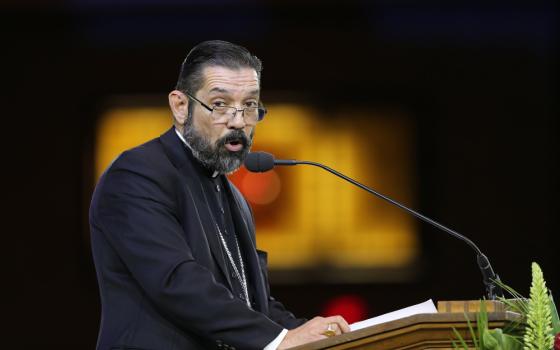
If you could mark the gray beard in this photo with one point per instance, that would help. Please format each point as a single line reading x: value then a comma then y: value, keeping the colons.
x: 216, y: 157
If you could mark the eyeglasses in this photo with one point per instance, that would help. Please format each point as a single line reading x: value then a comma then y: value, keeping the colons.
x: 251, y: 115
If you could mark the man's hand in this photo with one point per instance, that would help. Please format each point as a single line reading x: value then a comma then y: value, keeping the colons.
x: 313, y: 330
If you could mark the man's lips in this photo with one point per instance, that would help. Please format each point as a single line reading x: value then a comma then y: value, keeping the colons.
x: 234, y: 146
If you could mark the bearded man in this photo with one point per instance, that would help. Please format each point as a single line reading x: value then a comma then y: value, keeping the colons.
x: 173, y: 240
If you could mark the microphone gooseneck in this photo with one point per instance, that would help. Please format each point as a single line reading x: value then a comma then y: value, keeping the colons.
x: 262, y: 161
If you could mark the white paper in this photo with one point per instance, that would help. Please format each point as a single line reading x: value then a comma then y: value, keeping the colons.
x: 426, y: 307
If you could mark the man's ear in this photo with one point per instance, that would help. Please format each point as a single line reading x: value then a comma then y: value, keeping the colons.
x: 179, y: 104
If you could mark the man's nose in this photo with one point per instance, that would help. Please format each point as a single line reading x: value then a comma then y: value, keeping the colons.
x: 236, y: 121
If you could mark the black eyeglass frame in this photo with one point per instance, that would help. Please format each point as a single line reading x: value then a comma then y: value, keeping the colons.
x: 261, y: 110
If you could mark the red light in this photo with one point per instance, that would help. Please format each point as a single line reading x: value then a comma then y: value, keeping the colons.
x: 352, y: 307
x: 261, y: 189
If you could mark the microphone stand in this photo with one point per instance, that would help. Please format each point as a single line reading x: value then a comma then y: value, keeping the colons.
x: 489, y: 278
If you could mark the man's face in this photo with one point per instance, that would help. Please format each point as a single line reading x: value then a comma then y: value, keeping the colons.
x: 222, y: 145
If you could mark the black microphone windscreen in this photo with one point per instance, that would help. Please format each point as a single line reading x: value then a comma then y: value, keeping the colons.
x: 259, y: 162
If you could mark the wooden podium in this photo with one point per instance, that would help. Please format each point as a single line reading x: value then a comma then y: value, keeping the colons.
x: 422, y: 331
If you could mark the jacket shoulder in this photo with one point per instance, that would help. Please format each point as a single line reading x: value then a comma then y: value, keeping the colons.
x: 144, y: 170
x: 149, y: 155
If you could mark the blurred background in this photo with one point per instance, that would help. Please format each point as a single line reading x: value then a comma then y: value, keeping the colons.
x: 449, y: 108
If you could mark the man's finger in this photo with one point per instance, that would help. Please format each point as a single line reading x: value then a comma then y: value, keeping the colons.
x: 340, y: 321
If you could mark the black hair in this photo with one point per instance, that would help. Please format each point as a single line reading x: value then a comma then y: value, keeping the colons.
x: 213, y: 53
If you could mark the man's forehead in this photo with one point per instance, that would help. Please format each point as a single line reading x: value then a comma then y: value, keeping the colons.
x: 220, y: 79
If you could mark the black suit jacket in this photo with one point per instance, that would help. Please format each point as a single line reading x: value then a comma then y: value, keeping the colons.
x: 162, y: 273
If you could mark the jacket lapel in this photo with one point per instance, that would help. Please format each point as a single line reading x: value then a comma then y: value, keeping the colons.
x: 180, y: 156
x: 245, y: 231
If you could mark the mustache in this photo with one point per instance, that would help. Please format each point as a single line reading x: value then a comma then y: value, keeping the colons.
x: 235, y: 135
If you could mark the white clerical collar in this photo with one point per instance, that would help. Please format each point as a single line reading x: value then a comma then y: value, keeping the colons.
x: 216, y: 173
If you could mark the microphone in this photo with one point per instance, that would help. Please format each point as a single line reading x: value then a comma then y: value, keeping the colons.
x: 262, y: 162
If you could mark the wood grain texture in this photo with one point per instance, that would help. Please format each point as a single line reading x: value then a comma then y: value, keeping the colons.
x: 423, y: 331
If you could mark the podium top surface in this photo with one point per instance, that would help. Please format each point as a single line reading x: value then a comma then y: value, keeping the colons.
x: 431, y: 325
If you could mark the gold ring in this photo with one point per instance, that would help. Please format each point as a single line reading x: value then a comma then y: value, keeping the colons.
x: 330, y: 331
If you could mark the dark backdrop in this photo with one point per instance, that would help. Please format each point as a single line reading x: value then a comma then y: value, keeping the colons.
x: 478, y: 79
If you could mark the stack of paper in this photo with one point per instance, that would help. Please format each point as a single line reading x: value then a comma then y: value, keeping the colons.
x: 426, y: 307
